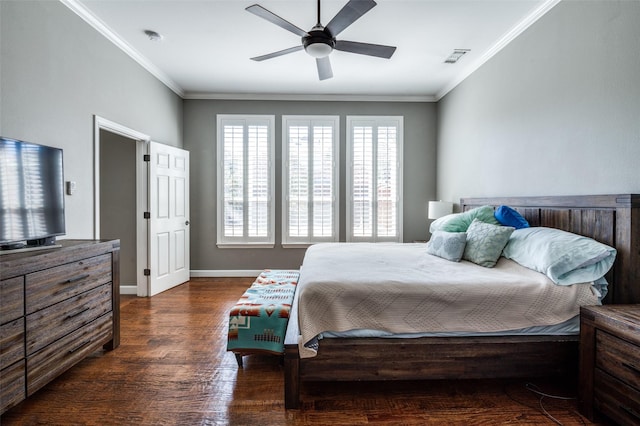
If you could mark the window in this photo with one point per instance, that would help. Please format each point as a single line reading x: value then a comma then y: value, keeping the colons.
x: 374, y: 179
x: 246, y: 180
x: 309, y: 179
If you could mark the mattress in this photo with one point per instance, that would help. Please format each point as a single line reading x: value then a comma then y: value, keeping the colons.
x: 571, y: 327
x: 399, y: 289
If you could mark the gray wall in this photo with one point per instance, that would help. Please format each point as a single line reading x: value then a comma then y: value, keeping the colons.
x: 56, y: 73
x: 557, y: 112
x: 200, y: 140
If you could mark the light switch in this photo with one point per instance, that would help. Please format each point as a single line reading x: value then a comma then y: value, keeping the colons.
x: 71, y: 187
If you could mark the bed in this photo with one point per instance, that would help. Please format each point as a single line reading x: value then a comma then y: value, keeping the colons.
x: 613, y: 220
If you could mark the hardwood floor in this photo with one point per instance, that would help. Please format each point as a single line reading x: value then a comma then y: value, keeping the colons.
x: 172, y: 368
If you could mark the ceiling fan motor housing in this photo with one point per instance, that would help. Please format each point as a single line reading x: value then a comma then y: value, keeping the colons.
x: 318, y: 42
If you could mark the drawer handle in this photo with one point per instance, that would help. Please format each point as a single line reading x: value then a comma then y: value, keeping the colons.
x: 631, y: 367
x: 630, y: 411
x: 76, y: 279
x: 80, y: 346
x: 75, y: 314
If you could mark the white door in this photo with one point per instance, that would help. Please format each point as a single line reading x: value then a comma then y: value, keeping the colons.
x: 169, y: 217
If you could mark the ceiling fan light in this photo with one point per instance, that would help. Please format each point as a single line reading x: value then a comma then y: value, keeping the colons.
x: 318, y: 50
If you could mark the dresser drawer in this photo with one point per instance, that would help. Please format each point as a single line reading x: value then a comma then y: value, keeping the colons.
x: 56, y: 321
x: 12, y: 385
x: 51, y: 361
x: 11, y: 342
x: 618, y: 357
x: 616, y: 400
x: 44, y: 288
x: 12, y: 297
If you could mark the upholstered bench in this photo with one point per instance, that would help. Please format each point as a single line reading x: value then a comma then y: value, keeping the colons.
x: 258, y: 322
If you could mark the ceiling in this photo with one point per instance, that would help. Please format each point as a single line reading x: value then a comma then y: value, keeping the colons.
x: 206, y: 45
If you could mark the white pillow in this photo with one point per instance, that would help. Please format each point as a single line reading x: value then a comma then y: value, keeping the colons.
x: 447, y: 245
x: 564, y: 257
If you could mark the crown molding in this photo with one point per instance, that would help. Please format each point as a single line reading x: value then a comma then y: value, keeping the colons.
x: 80, y: 10
x: 309, y: 97
x: 529, y: 20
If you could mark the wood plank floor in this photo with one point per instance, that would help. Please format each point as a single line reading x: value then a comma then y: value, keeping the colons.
x: 172, y: 368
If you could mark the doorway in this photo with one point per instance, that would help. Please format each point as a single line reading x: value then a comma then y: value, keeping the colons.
x: 141, y: 197
x: 120, y: 180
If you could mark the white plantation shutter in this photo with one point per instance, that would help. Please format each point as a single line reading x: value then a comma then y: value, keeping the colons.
x: 374, y: 181
x: 233, y: 188
x: 310, y: 179
x: 258, y: 181
x: 324, y: 181
x: 245, y: 180
x: 298, y: 196
x: 362, y: 187
x: 387, y: 181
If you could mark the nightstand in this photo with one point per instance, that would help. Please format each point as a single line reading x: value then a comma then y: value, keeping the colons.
x: 609, y: 380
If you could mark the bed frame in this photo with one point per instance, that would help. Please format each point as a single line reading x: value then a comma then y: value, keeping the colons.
x: 611, y: 219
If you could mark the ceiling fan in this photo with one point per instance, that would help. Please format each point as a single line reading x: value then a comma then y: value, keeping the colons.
x: 320, y: 41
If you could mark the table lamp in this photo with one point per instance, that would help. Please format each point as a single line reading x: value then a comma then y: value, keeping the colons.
x: 437, y: 209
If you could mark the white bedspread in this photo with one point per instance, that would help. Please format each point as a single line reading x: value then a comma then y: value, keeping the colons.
x: 401, y: 289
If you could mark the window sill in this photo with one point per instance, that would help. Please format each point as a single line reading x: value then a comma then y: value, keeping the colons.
x: 245, y: 245
x: 297, y: 245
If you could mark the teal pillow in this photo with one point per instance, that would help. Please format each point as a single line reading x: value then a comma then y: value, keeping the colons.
x: 485, y: 243
x: 510, y: 217
x: 459, y: 222
x: 447, y: 245
x: 564, y: 257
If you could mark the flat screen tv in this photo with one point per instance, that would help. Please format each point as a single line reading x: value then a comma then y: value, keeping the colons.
x: 31, y: 194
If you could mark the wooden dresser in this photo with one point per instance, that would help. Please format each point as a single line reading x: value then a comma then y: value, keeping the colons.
x: 56, y: 307
x: 610, y: 362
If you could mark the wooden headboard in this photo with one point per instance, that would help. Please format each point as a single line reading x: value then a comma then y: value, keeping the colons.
x: 611, y: 219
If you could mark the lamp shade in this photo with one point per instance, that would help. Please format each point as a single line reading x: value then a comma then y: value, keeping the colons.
x: 437, y: 209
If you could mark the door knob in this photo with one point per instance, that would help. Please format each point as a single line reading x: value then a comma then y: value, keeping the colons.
x: 186, y: 223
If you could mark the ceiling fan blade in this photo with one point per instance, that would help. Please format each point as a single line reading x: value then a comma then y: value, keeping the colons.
x: 365, y: 48
x: 278, y: 53
x: 260, y: 11
x: 324, y: 68
x: 348, y: 15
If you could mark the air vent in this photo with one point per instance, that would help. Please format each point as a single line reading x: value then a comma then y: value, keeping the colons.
x: 456, y: 55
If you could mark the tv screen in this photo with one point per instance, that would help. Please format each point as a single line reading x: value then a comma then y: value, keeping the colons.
x: 31, y: 193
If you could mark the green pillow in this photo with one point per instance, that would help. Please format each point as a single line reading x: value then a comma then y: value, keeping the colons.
x: 459, y: 222
x: 485, y: 243
x: 447, y: 245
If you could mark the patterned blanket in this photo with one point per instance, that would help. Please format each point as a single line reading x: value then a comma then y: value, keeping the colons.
x: 258, y: 321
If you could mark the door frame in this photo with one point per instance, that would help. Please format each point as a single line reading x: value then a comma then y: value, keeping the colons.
x: 142, y: 194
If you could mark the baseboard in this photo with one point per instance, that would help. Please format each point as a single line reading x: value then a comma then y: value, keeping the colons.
x: 129, y: 289
x: 223, y: 273
x: 213, y: 273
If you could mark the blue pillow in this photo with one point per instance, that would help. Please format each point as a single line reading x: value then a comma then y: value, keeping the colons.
x: 510, y: 217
